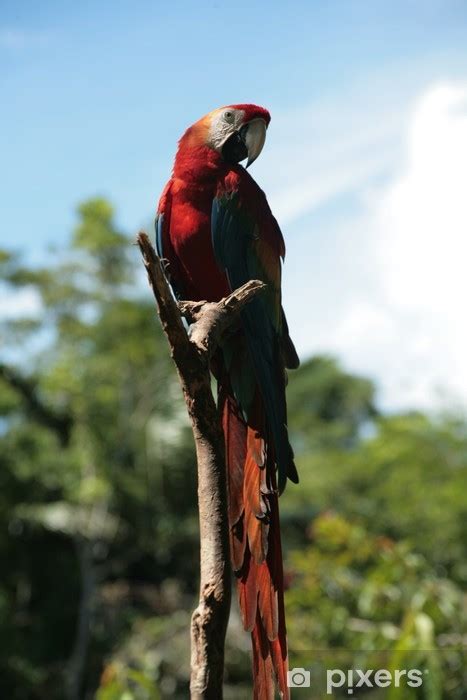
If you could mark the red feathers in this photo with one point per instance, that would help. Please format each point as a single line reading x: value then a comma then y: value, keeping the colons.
x: 252, y: 112
x: 256, y: 549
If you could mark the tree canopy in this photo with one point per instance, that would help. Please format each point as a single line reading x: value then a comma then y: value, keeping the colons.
x: 99, y: 531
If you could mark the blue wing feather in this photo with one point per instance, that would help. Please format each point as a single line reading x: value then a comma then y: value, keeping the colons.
x: 158, y: 226
x: 232, y: 235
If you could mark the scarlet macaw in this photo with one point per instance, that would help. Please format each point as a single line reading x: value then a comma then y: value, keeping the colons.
x: 216, y: 230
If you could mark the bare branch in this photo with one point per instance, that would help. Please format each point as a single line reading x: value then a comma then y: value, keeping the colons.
x: 191, y: 356
x: 212, y: 319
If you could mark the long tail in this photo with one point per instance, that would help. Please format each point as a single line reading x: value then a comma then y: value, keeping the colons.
x: 256, y: 546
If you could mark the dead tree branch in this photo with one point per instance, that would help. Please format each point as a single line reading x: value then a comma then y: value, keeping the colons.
x: 191, y: 355
x: 211, y: 320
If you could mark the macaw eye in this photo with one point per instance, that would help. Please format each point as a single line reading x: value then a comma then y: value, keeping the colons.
x: 228, y: 116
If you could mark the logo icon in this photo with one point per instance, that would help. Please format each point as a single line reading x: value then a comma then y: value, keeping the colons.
x: 298, y: 678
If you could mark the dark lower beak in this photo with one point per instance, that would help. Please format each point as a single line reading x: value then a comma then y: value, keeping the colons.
x: 234, y: 149
x: 248, y: 143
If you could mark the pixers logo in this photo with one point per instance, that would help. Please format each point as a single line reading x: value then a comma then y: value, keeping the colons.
x: 382, y: 678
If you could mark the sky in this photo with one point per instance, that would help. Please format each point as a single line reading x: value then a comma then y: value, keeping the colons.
x: 365, y: 164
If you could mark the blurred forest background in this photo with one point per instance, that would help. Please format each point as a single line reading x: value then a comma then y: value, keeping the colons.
x: 99, y: 531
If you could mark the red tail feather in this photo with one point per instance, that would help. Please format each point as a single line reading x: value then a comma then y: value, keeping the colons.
x: 256, y: 548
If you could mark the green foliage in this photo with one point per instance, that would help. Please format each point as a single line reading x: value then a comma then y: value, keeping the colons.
x: 407, y: 481
x: 327, y: 407
x: 98, y: 520
x: 378, y: 600
x: 115, y: 498
x: 96, y: 234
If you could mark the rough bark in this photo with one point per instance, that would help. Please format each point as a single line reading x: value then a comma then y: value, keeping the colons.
x: 191, y: 354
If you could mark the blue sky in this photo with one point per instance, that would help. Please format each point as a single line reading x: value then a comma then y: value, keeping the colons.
x: 95, y: 95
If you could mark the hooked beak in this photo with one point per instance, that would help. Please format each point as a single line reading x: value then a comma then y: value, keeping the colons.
x: 248, y: 142
x: 254, y: 138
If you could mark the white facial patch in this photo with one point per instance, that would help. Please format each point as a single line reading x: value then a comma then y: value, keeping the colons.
x: 223, y: 125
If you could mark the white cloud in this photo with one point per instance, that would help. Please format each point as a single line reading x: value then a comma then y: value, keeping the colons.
x: 309, y: 193
x: 323, y: 151
x: 384, y: 284
x: 421, y: 222
x: 423, y: 214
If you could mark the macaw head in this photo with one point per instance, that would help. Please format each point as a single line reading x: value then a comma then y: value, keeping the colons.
x: 236, y: 132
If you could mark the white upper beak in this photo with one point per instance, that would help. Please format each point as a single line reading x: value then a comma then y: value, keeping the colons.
x: 255, y: 138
